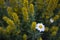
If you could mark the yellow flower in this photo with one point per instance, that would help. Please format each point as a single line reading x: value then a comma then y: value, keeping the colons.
x: 46, y: 29
x: 39, y: 4
x: 25, y: 14
x: 31, y: 9
x: 25, y: 3
x: 15, y: 9
x: 9, y: 21
x: 9, y: 9
x: 15, y: 18
x: 10, y: 29
x: 54, y: 28
x: 52, y: 5
x: 53, y: 33
x: 33, y: 26
x: 40, y: 38
x: 24, y: 37
x: 56, y: 17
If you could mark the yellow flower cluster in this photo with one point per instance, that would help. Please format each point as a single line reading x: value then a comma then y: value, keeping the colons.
x: 46, y: 29
x: 9, y: 21
x: 13, y: 15
x: 10, y: 29
x: 9, y: 9
x: 15, y: 18
x: 33, y: 26
x: 15, y: 9
x: 54, y: 30
x: 31, y: 9
x: 25, y: 14
x: 40, y: 4
x: 56, y: 17
x: 52, y: 5
x: 40, y: 38
x: 47, y: 15
x: 24, y: 37
x: 25, y: 3
x: 53, y: 33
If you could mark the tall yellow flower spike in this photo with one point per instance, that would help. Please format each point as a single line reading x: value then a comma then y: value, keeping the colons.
x: 10, y: 29
x: 25, y: 3
x: 9, y: 21
x: 25, y: 14
x: 9, y: 9
x: 33, y: 26
x: 24, y: 37
x: 15, y: 18
x: 31, y: 9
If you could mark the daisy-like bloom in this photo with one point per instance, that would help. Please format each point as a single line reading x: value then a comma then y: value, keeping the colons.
x: 51, y: 20
x: 40, y: 27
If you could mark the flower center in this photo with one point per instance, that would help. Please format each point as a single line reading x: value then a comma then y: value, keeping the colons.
x: 40, y: 26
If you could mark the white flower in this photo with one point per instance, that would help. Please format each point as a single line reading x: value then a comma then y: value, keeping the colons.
x: 40, y: 27
x: 51, y: 20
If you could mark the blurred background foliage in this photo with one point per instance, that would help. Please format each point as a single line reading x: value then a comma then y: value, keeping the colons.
x: 18, y: 19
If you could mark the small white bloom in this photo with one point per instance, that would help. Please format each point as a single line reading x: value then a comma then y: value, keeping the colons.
x: 40, y: 27
x: 51, y: 20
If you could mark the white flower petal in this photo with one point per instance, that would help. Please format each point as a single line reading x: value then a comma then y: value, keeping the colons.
x: 51, y: 20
